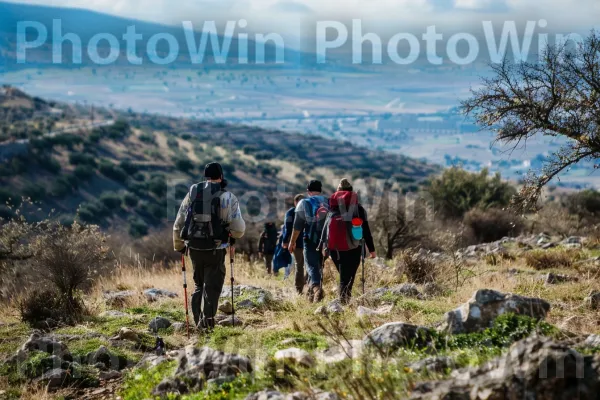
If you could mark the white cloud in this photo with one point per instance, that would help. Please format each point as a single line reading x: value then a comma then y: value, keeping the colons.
x: 293, y: 16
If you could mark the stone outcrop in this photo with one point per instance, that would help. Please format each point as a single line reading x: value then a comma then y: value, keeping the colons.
x: 394, y: 335
x: 486, y: 305
x: 534, y: 368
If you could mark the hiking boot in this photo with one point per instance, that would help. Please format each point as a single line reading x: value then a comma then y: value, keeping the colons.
x: 206, y: 324
x: 310, y: 294
x: 318, y: 294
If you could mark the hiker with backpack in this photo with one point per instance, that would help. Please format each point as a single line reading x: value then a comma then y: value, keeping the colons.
x: 309, y: 219
x: 298, y: 251
x: 208, y: 222
x: 345, y: 233
x: 267, y: 244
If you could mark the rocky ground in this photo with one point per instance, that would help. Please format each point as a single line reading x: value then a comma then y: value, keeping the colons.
x: 512, y: 319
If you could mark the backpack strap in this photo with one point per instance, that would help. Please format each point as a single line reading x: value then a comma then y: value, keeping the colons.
x: 193, y: 191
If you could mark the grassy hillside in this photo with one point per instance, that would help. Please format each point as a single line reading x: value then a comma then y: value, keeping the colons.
x: 131, y: 170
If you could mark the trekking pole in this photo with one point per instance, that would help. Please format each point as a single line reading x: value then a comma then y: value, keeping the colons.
x: 187, y: 312
x: 363, y: 266
x: 232, y: 280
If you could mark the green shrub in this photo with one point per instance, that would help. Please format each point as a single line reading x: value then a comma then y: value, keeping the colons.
x: 506, y: 329
x: 84, y: 172
x: 17, y: 166
x: 493, y: 224
x: 49, y: 164
x: 82, y: 159
x: 138, y: 176
x: 184, y: 164
x: 6, y: 213
x: 172, y: 143
x: 418, y: 269
x: 137, y: 227
x: 68, y: 140
x: 129, y: 167
x: 584, y: 204
x: 113, y: 172
x: 148, y: 138
x: 458, y: 191
x: 61, y: 187
x: 46, y: 308
x: 131, y: 200
x: 95, y: 136
x: 35, y: 192
x: 158, y: 185
x: 153, y: 210
x: 118, y: 130
x: 111, y: 200
x: 92, y: 212
x: 8, y: 196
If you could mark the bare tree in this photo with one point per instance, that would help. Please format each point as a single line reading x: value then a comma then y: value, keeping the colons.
x: 559, y: 96
x: 395, y: 229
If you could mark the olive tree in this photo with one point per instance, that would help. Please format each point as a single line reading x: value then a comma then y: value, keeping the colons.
x: 558, y: 96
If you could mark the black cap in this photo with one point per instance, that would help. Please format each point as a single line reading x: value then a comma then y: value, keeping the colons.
x: 213, y: 171
x: 315, y: 186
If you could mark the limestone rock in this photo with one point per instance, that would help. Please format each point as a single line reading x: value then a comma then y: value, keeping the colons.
x: 159, y: 323
x: 432, y: 289
x: 226, y: 307
x: 551, y: 278
x: 593, y: 300
x: 170, y: 387
x: 247, y: 303
x: 486, y: 305
x: 229, y: 321
x: 54, y: 378
x: 196, y: 364
x: 126, y: 334
x: 118, y: 299
x: 48, y: 344
x: 573, y: 242
x: 104, y: 356
x: 363, y: 312
x: 178, y: 326
x: 346, y: 350
x: 592, y: 341
x: 394, y: 335
x: 296, y: 356
x: 433, y: 364
x: 269, y: 394
x: 260, y: 296
x: 154, y: 294
x: 109, y: 375
x: 334, y: 307
x: 534, y: 368
x: 114, y: 314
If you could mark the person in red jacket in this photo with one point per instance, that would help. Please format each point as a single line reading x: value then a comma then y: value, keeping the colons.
x: 345, y: 233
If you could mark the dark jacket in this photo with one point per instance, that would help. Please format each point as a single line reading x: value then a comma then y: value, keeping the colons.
x: 288, y: 228
x: 265, y: 245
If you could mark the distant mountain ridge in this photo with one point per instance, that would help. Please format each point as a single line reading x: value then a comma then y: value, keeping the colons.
x: 85, y: 24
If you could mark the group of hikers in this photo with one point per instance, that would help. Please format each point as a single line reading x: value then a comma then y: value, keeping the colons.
x: 209, y: 221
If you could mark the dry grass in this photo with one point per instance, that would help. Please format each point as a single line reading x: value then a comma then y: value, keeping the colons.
x: 567, y: 311
x: 560, y: 258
